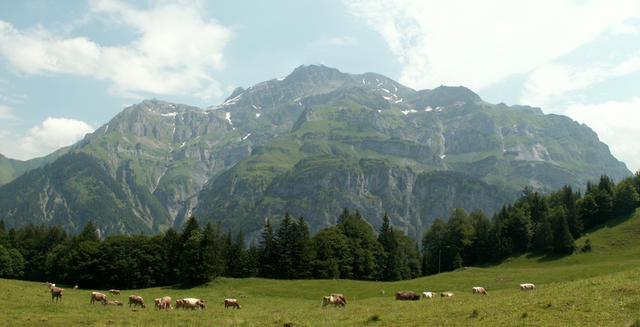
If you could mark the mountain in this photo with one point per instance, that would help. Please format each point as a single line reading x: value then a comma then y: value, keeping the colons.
x: 10, y: 169
x: 312, y: 143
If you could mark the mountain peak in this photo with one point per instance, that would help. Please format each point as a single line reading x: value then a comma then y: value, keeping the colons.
x: 315, y: 74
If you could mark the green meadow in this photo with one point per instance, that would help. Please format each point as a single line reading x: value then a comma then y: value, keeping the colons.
x: 596, y: 288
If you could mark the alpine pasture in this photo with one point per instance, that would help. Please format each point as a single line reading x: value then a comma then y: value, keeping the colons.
x: 596, y: 288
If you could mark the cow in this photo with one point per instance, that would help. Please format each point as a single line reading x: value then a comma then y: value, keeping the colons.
x: 96, y: 296
x: 193, y: 303
x: 157, y: 302
x: 115, y: 292
x: 427, y: 295
x: 56, y: 293
x: 478, y: 290
x: 179, y: 303
x: 118, y: 303
x: 136, y: 300
x: 407, y: 295
x: 335, y: 299
x: 446, y: 294
x: 165, y: 302
x: 527, y: 287
x: 232, y: 303
x: 114, y: 303
x: 75, y: 287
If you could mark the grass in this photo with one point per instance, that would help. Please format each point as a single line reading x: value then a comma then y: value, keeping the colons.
x: 598, y: 288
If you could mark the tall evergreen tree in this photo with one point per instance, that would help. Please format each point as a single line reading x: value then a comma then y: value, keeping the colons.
x: 212, y: 263
x: 626, y: 197
x: 268, y: 252
x: 562, y: 240
x: 389, y: 260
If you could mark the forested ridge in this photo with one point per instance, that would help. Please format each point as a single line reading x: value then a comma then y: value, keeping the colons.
x: 546, y: 224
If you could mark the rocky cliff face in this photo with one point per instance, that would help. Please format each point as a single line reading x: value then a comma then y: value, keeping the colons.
x: 311, y: 143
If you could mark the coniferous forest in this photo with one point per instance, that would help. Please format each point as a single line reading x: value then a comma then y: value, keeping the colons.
x: 544, y: 224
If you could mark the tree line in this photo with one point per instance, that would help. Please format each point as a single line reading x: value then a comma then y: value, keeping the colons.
x: 350, y: 250
x: 544, y: 224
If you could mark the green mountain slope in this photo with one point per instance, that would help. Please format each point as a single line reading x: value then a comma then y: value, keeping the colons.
x: 10, y: 169
x: 312, y: 143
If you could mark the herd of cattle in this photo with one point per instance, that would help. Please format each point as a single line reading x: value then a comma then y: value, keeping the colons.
x: 164, y: 303
x: 135, y: 300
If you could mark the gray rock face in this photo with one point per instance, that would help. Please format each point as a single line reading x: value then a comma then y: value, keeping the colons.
x: 311, y: 143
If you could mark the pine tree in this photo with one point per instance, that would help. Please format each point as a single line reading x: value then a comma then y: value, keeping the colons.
x: 268, y: 252
x: 563, y: 242
x: 89, y: 233
x: 212, y: 264
x: 626, y: 197
x: 389, y: 258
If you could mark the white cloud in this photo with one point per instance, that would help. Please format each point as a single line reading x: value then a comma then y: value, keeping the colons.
x: 619, y: 129
x: 478, y: 43
x: 548, y: 85
x: 5, y: 113
x: 175, y: 52
x: 50, y: 135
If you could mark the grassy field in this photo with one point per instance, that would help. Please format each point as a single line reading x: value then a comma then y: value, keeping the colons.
x: 599, y: 288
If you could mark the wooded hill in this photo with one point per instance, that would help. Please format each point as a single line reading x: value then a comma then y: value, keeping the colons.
x: 546, y: 225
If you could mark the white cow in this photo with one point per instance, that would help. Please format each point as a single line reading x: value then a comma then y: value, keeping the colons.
x: 527, y: 287
x: 427, y: 295
x: 479, y: 290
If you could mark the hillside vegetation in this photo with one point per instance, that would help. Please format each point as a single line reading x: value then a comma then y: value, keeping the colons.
x: 596, y: 288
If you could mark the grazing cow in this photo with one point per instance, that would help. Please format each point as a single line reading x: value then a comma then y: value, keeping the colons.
x: 75, y: 287
x: 179, y: 303
x: 136, y: 300
x: 56, y: 293
x: 165, y: 303
x: 232, y: 303
x: 96, y: 296
x: 479, y: 290
x: 407, y: 295
x: 157, y: 302
x: 193, y: 303
x: 446, y: 294
x: 527, y: 287
x: 427, y: 295
x: 115, y: 292
x: 335, y: 299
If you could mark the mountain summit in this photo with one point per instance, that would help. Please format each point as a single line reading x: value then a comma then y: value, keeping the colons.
x: 311, y: 143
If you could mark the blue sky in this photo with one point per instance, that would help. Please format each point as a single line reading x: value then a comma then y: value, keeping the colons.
x: 68, y: 67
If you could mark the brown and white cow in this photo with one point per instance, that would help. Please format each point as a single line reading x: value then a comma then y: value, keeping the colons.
x: 335, y: 299
x: 56, y: 293
x: 232, y: 303
x: 113, y: 303
x: 75, y: 287
x: 478, y: 290
x: 527, y: 287
x: 165, y: 303
x: 136, y: 300
x: 115, y: 292
x: 193, y: 303
x: 446, y: 294
x: 407, y: 296
x: 179, y: 303
x: 427, y: 295
x: 97, y: 296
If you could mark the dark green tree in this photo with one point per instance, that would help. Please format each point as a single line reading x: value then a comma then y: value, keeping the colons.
x: 331, y: 261
x: 389, y: 260
x: 268, y: 252
x: 626, y: 197
x: 563, y: 242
